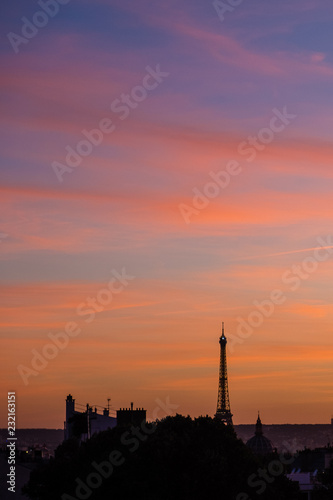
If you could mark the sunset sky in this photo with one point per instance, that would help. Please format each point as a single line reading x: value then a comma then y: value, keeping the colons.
x: 142, y: 202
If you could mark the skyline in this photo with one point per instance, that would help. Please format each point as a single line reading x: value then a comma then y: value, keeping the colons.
x: 203, y: 192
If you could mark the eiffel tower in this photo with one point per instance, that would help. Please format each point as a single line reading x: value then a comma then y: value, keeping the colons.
x: 223, y: 412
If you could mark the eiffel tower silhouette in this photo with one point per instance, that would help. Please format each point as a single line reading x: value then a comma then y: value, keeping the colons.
x: 223, y: 412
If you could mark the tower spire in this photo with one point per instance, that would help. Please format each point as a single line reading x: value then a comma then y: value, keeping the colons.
x: 223, y: 412
x: 258, y: 426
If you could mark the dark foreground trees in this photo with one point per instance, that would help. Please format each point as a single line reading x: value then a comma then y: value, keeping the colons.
x: 176, y: 458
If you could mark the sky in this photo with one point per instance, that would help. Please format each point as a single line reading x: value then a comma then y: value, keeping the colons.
x: 166, y: 166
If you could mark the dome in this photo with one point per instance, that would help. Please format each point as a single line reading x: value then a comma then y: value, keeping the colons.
x: 259, y: 444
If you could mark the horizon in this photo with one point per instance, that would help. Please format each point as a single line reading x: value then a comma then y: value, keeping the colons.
x: 165, y: 168
x: 234, y: 425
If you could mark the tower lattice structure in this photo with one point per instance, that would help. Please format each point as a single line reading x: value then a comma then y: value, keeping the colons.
x: 223, y: 412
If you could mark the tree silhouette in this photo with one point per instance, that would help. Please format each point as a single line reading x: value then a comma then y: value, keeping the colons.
x: 177, y: 458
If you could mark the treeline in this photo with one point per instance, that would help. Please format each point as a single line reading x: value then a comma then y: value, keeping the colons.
x: 175, y: 458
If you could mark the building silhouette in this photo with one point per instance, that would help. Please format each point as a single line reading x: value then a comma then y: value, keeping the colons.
x: 223, y: 412
x: 259, y: 444
x: 129, y: 416
x: 84, y: 421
